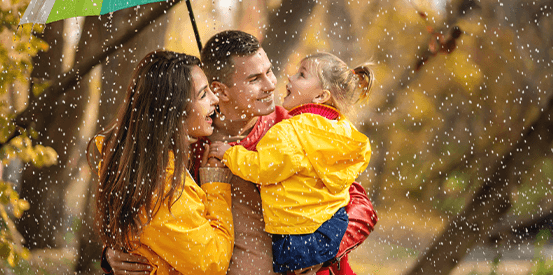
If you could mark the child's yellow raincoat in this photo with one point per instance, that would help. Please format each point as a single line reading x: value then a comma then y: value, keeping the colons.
x: 305, y: 166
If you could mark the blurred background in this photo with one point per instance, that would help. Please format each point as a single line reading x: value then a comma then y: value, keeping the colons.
x: 460, y: 122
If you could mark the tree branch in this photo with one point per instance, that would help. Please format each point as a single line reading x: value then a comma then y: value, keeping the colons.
x: 145, y: 16
x: 279, y: 41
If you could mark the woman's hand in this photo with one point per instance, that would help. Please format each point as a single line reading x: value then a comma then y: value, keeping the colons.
x: 125, y: 263
x: 208, y: 161
x: 218, y: 150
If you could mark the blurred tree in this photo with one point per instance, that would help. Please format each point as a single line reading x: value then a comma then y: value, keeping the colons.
x: 459, y: 120
x: 283, y: 32
x: 44, y: 219
x: 338, y: 21
x: 58, y: 116
x: 17, y: 50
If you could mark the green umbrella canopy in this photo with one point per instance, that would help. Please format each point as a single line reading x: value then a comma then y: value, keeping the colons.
x: 46, y: 11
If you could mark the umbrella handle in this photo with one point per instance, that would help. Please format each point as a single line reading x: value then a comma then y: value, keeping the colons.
x: 196, y: 33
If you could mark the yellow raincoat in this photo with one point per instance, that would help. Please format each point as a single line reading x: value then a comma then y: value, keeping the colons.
x: 197, y: 237
x: 304, y: 166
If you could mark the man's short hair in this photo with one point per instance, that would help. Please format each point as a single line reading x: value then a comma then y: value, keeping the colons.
x: 217, y: 54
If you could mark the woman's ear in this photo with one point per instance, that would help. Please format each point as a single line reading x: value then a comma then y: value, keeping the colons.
x: 220, y: 90
x: 323, y: 97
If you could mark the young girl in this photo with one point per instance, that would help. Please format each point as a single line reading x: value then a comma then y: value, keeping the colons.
x: 147, y: 203
x: 306, y: 164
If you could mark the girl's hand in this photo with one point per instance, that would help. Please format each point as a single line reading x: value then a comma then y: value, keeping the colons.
x: 218, y: 149
x: 208, y: 161
x: 125, y: 263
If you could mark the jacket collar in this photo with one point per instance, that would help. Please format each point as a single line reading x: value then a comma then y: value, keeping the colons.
x: 318, y: 109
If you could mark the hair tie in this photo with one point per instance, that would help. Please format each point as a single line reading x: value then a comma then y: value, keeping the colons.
x: 353, y: 71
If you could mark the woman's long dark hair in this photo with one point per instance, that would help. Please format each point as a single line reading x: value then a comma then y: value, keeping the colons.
x: 136, y: 147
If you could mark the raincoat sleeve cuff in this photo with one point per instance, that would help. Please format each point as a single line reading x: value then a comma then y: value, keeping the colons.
x: 104, y: 262
x: 215, y: 174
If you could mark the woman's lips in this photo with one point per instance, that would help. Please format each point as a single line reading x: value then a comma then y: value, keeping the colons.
x: 209, y: 118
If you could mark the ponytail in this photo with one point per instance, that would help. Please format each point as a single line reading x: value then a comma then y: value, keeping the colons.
x: 365, y: 81
x: 347, y: 86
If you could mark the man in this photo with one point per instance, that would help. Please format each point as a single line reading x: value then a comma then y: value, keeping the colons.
x: 241, y: 76
x: 245, y: 84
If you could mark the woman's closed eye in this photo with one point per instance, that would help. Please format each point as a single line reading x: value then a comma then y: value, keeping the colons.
x: 203, y: 94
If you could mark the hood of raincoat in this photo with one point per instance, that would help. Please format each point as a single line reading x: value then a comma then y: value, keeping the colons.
x: 335, y: 148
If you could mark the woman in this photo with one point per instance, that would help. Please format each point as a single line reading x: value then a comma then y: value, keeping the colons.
x: 147, y: 202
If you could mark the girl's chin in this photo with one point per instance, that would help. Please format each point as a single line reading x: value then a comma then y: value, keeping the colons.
x: 287, y: 106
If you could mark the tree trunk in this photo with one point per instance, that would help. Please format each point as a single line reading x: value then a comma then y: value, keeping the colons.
x: 492, y: 201
x: 286, y: 26
x: 38, y: 225
x: 340, y: 32
x: 89, y: 249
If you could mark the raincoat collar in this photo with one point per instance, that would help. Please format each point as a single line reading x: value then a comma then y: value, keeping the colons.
x: 318, y: 109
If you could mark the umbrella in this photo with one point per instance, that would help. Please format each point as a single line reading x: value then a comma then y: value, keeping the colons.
x: 46, y: 11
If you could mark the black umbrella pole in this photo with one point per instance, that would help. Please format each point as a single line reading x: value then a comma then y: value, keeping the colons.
x: 193, y: 20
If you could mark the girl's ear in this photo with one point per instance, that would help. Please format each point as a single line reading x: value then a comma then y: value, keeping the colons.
x: 220, y: 90
x: 323, y: 97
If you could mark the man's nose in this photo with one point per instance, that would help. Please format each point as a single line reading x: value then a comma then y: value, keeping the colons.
x: 270, y: 83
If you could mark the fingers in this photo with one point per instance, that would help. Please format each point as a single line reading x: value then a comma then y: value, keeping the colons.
x: 214, y: 162
x: 115, y: 256
x: 217, y: 144
x: 131, y: 272
x: 205, y: 157
x: 214, y: 154
x: 125, y: 263
x: 127, y: 268
x: 217, y: 150
x: 312, y: 270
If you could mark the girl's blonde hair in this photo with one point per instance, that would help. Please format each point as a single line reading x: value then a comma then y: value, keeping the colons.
x: 347, y: 86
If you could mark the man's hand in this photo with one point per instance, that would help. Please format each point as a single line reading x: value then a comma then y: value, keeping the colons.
x: 129, y: 264
x: 311, y: 270
x: 218, y: 149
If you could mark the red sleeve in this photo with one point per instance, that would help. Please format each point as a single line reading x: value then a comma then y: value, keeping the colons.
x: 338, y: 268
x: 362, y: 219
x: 261, y: 127
x: 342, y: 267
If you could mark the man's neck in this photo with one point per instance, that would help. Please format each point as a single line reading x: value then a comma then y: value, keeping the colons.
x: 232, y: 130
